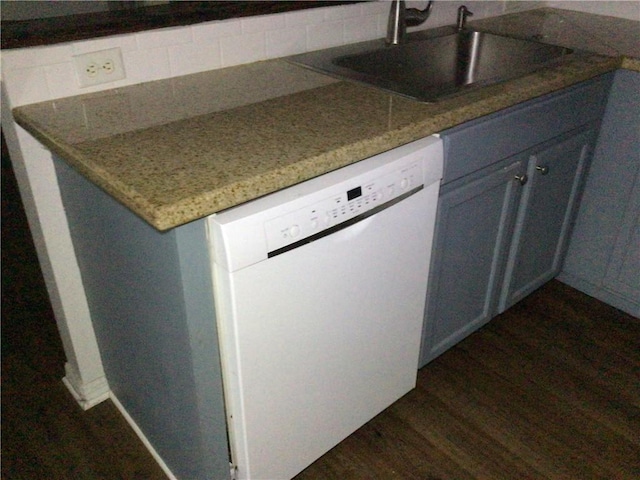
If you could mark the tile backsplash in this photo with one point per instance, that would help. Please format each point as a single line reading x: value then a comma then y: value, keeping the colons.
x: 45, y: 73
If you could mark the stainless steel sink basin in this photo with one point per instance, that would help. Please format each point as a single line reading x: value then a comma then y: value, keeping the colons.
x: 435, y: 68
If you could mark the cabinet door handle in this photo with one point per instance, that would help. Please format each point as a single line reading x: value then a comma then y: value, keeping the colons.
x: 522, y: 179
x: 543, y: 169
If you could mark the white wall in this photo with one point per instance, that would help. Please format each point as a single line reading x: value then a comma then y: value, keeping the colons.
x: 621, y: 9
x: 45, y: 73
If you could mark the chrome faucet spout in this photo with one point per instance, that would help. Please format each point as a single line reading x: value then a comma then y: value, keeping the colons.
x: 401, y: 17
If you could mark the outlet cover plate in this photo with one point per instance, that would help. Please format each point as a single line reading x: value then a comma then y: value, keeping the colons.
x: 102, y: 66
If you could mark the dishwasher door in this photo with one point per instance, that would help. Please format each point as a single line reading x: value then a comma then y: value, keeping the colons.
x: 323, y: 335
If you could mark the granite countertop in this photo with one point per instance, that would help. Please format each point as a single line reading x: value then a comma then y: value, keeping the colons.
x: 177, y: 150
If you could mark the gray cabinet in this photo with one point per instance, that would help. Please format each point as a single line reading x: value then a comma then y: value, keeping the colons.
x: 510, y: 189
x: 152, y: 307
x: 623, y: 273
x: 545, y: 214
x: 604, y: 252
x: 473, y: 228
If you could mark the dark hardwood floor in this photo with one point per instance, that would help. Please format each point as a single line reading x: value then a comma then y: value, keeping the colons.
x: 548, y: 390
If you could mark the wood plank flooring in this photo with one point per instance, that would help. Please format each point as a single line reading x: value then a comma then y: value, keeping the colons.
x: 548, y: 390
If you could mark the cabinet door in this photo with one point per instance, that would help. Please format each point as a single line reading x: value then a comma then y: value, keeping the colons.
x: 473, y: 226
x: 545, y: 215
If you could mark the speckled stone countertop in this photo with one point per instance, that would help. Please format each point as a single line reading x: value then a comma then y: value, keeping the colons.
x: 177, y: 150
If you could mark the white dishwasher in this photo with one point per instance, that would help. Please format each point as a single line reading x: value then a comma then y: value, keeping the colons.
x: 320, y: 292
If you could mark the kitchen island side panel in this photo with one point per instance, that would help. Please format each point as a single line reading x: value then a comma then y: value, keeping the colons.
x: 151, y: 300
x: 598, y: 251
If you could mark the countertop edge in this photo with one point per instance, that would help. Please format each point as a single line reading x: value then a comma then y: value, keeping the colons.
x: 352, y: 153
x: 130, y: 199
x: 166, y: 217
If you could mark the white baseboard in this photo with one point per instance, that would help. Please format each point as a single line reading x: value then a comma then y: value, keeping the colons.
x: 86, y: 394
x: 142, y: 437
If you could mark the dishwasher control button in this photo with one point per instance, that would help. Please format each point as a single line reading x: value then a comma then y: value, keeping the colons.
x: 294, y: 231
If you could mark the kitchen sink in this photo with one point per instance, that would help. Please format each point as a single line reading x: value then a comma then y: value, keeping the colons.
x: 429, y: 69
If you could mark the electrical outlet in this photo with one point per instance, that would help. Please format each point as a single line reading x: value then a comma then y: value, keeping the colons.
x: 103, y: 66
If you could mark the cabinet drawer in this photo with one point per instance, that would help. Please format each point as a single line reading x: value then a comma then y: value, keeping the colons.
x: 479, y: 143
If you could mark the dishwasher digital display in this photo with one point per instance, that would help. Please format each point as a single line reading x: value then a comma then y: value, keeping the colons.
x: 354, y: 193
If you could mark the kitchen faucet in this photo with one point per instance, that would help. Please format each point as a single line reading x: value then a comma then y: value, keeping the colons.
x: 401, y: 17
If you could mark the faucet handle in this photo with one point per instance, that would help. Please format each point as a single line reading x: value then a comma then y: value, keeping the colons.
x: 415, y: 17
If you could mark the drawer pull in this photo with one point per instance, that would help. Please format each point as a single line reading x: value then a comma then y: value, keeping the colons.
x: 543, y: 169
x: 522, y: 179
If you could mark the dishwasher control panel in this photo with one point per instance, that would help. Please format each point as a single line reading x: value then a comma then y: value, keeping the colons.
x: 346, y: 206
x: 313, y: 209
